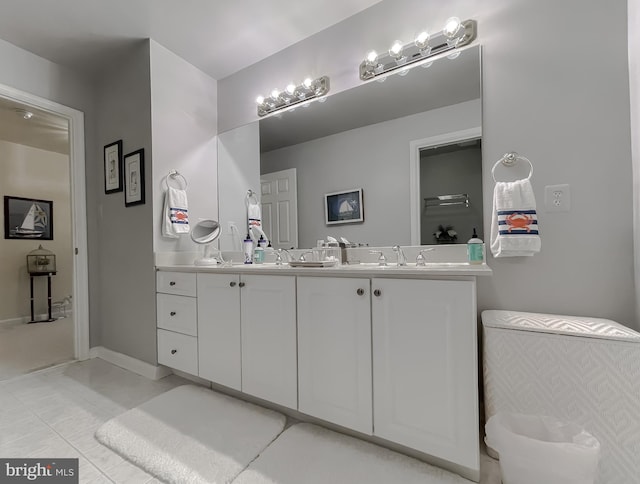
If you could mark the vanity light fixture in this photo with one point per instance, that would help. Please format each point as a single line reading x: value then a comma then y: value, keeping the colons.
x: 401, y: 57
x: 293, y: 95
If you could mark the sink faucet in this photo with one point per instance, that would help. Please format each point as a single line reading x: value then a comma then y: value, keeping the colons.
x: 279, y: 253
x: 302, y: 256
x: 402, y: 259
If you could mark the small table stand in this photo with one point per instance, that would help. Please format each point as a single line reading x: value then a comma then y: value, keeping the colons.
x: 37, y: 274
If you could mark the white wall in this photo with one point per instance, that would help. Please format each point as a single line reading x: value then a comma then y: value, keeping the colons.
x: 34, y: 173
x: 127, y: 277
x: 184, y: 127
x: 238, y: 171
x: 634, y: 84
x: 364, y: 158
x: 552, y: 93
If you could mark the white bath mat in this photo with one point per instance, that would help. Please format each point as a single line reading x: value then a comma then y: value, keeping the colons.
x: 192, y: 435
x: 309, y: 454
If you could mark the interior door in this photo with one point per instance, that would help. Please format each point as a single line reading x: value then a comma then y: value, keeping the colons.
x: 279, y: 195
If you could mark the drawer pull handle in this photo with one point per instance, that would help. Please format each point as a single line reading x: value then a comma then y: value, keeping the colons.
x: 360, y: 291
x: 232, y: 284
x: 173, y: 352
x: 172, y: 313
x: 172, y: 283
x: 377, y: 293
x: 241, y: 284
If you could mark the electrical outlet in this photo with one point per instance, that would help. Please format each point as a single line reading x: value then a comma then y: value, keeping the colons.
x: 557, y: 198
x: 230, y: 226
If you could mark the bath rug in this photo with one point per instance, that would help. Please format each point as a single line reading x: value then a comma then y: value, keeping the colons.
x: 306, y: 453
x: 192, y: 435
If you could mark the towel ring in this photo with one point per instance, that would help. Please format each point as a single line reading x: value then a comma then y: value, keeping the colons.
x: 510, y: 159
x: 251, y: 195
x: 176, y: 176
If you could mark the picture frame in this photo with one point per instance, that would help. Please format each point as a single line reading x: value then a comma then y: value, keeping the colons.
x: 344, y: 207
x: 134, y: 178
x: 28, y: 218
x: 113, y: 167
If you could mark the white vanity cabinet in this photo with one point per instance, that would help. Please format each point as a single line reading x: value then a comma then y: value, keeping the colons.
x: 334, y: 350
x: 176, y: 320
x: 247, y: 334
x: 425, y: 377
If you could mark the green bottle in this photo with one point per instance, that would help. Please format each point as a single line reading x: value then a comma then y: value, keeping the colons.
x: 475, y: 249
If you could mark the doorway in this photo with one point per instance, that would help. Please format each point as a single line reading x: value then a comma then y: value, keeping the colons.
x: 66, y: 123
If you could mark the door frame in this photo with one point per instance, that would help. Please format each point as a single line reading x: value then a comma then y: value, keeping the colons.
x: 414, y: 169
x: 80, y: 301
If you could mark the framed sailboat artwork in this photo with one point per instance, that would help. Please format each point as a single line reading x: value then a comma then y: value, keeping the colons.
x: 28, y: 218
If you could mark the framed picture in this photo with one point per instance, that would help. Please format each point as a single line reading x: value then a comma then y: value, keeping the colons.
x: 134, y: 178
x: 344, y: 207
x: 28, y: 218
x: 113, y: 167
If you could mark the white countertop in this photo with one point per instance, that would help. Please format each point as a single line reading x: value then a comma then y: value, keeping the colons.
x: 435, y: 269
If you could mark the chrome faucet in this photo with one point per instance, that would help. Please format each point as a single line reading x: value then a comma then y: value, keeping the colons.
x: 402, y: 259
x: 279, y: 253
x: 302, y: 256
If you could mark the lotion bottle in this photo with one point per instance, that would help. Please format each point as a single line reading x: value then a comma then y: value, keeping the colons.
x: 475, y: 249
x: 248, y: 250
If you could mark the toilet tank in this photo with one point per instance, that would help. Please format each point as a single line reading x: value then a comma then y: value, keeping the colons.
x: 583, y: 370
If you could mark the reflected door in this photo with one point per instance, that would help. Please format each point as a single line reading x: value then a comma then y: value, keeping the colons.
x: 279, y: 199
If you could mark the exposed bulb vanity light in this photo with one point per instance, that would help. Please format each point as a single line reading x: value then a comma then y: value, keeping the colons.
x: 400, y: 57
x: 307, y: 91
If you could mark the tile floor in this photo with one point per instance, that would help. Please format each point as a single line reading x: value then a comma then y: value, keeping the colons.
x: 55, y: 412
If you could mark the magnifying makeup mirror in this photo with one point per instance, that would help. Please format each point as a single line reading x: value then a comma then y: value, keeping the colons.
x: 205, y: 233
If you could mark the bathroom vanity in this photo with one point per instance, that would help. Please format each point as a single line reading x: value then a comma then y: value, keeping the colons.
x: 387, y: 352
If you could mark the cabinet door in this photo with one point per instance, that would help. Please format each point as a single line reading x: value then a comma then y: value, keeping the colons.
x: 334, y: 350
x: 268, y: 321
x: 425, y: 375
x: 219, y: 329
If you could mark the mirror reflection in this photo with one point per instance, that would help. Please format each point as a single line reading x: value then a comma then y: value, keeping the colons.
x: 400, y: 141
x: 361, y: 139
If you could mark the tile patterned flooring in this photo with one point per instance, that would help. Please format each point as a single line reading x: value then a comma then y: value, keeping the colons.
x: 53, y: 413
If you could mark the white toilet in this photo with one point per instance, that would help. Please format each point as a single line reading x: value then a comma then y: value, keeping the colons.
x: 582, y: 370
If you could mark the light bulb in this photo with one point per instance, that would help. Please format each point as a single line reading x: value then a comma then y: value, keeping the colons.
x: 372, y: 58
x: 307, y: 82
x: 395, y: 50
x: 291, y: 88
x: 422, y: 40
x: 259, y: 99
x: 275, y: 93
x: 451, y: 27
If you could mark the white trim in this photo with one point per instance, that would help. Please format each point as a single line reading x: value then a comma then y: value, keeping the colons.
x: 78, y: 209
x: 414, y: 169
x: 40, y: 317
x: 128, y: 363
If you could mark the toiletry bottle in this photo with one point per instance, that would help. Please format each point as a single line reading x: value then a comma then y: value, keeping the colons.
x: 248, y: 250
x: 475, y: 249
x: 258, y: 255
x: 262, y: 243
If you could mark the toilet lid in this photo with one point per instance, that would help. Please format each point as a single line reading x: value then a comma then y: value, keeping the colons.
x: 558, y: 324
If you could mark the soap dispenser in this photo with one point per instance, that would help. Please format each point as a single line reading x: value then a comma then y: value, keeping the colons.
x: 475, y: 249
x: 248, y: 250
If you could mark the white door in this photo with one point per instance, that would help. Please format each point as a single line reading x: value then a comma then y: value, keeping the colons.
x: 279, y: 200
x: 268, y: 328
x: 425, y: 375
x: 219, y: 329
x: 334, y: 351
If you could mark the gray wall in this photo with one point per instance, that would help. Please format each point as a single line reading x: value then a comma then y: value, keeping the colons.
x: 448, y: 174
x: 369, y: 158
x: 127, y: 277
x: 634, y: 83
x: 550, y: 92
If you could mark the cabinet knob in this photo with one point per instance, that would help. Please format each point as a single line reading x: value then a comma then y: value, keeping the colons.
x: 241, y: 284
x: 232, y: 284
x: 377, y: 292
x: 172, y: 283
x: 173, y: 352
x: 360, y: 291
x: 172, y: 313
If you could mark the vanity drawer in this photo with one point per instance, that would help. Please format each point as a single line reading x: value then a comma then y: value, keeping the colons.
x: 178, y: 351
x: 177, y: 313
x: 180, y: 283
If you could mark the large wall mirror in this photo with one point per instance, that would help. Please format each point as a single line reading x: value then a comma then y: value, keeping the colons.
x: 411, y: 143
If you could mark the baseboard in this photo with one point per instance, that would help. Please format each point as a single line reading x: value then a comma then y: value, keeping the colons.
x: 26, y: 319
x: 143, y: 368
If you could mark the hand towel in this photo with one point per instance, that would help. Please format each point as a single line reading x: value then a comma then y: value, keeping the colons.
x: 514, y: 224
x: 175, y: 219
